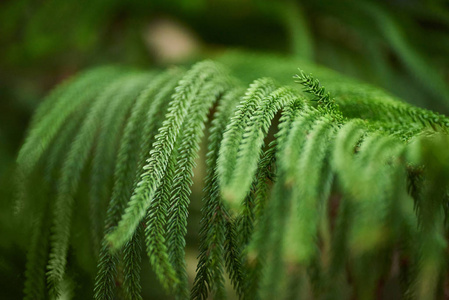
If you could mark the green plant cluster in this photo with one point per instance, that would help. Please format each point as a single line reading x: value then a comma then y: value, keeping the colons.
x: 324, y: 188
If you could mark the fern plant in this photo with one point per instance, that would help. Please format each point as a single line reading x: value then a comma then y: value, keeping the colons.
x: 316, y: 186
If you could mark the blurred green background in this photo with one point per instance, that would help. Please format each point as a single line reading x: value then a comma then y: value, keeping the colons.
x: 400, y: 45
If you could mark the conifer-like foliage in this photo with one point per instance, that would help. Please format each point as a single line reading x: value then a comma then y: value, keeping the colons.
x: 316, y: 185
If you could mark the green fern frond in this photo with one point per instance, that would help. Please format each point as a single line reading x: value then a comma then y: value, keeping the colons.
x: 65, y: 102
x: 346, y: 141
x: 313, y: 86
x: 233, y: 260
x: 62, y: 109
x: 138, y: 134
x: 105, y: 153
x: 234, y: 135
x: 187, y: 90
x: 54, y: 159
x: 266, y: 174
x: 376, y: 166
x: 274, y: 267
x: 156, y: 232
x: 210, y: 270
x: 252, y: 222
x: 252, y: 141
x: 105, y: 280
x: 291, y: 145
x: 305, y: 188
x: 191, y: 135
x: 132, y: 259
x: 37, y: 260
x: 288, y: 115
x: 72, y: 168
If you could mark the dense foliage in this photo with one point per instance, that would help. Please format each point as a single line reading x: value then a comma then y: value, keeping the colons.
x: 89, y: 140
x: 326, y: 187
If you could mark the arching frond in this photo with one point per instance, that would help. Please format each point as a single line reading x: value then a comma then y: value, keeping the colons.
x: 252, y: 141
x: 37, y: 260
x: 234, y: 134
x: 132, y: 260
x: 73, y: 166
x: 177, y: 112
x: 210, y: 268
x: 60, y: 106
x: 191, y: 135
x: 138, y: 133
x: 305, y: 191
x: 105, y: 152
